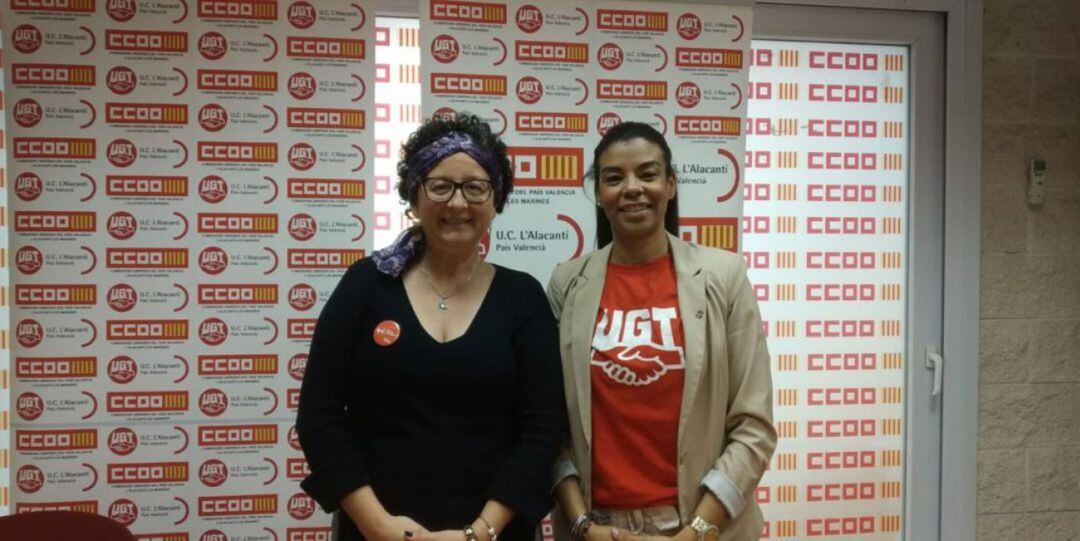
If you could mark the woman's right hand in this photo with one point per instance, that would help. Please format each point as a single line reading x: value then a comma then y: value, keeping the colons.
x: 394, y: 528
x: 599, y: 533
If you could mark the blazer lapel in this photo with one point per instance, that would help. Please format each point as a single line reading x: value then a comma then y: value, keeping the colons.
x: 589, y: 288
x: 692, y: 309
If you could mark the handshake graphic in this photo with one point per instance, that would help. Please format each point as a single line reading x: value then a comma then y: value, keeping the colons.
x: 638, y: 365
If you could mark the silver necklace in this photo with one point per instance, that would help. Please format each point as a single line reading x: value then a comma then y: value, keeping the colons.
x: 442, y: 305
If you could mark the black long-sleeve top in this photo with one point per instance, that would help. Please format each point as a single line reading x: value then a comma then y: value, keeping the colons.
x: 435, y: 428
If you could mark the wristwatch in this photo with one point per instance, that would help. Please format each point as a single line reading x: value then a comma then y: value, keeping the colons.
x: 706, y: 531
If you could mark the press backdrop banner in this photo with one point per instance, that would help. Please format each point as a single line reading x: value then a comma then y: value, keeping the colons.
x: 552, y: 77
x: 190, y: 179
x: 5, y: 341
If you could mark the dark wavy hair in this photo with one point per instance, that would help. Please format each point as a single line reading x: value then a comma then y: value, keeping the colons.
x: 628, y: 131
x: 470, y: 125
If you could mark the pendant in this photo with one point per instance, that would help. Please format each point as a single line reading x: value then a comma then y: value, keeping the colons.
x: 442, y: 305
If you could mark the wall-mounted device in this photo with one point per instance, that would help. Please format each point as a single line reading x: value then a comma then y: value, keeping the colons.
x: 1036, y: 188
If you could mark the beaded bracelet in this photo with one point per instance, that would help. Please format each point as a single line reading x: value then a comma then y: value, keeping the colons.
x: 492, y: 536
x: 470, y: 534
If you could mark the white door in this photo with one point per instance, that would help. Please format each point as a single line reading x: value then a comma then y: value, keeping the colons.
x: 843, y: 232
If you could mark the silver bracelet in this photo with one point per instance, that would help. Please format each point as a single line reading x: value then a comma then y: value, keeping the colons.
x: 581, y: 525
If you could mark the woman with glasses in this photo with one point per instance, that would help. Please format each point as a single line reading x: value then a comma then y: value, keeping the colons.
x: 432, y: 403
x: 667, y: 373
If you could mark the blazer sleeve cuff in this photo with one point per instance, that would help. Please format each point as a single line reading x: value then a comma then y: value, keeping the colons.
x: 563, y: 468
x: 725, y: 490
x: 330, y: 485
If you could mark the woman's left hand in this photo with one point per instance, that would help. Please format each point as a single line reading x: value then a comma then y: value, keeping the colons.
x: 442, y: 535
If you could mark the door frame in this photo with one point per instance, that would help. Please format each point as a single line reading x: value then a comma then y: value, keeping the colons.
x: 922, y: 35
x: 960, y: 309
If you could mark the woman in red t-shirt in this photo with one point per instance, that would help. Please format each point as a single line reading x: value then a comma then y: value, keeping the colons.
x: 665, y: 366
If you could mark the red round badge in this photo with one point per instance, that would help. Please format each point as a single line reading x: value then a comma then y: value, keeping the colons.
x: 386, y: 333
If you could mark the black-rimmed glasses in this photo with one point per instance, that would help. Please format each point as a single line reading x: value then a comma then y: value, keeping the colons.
x: 441, y: 190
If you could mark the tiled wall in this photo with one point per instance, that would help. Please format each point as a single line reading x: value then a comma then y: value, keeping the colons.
x: 1029, y: 410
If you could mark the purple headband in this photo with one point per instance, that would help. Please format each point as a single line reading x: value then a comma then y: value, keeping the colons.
x: 394, y: 259
x: 428, y: 157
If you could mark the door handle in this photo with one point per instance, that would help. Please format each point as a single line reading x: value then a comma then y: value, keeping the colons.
x: 935, y: 362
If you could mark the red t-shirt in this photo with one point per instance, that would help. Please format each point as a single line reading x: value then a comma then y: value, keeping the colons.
x: 637, y: 371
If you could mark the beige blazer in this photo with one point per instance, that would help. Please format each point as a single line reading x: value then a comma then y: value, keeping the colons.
x: 725, y: 424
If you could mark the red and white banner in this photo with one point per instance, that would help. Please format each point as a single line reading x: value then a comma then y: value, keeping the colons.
x: 552, y: 77
x: 190, y: 179
x: 824, y: 231
x: 5, y: 345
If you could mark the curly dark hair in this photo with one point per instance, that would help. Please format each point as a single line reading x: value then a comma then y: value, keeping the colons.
x: 470, y: 125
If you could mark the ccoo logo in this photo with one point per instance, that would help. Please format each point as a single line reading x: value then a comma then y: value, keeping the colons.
x: 29, y: 406
x: 688, y: 94
x: 121, y: 225
x: 302, y: 85
x: 120, y: 80
x: 28, y: 260
x: 122, y: 369
x: 28, y: 186
x: 29, y: 333
x: 529, y: 90
x: 444, y: 48
x: 122, y: 297
x: 302, y: 14
x: 213, y: 473
x: 529, y: 19
x: 213, y: 402
x: 27, y: 113
x: 121, y: 153
x: 120, y: 10
x: 213, y: 189
x: 302, y: 227
x: 213, y: 331
x: 610, y: 56
x: 213, y: 46
x: 122, y: 441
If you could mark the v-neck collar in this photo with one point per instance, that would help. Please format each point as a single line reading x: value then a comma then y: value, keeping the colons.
x: 468, y: 329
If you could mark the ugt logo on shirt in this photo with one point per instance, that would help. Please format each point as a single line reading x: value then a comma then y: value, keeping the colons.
x: 625, y: 350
